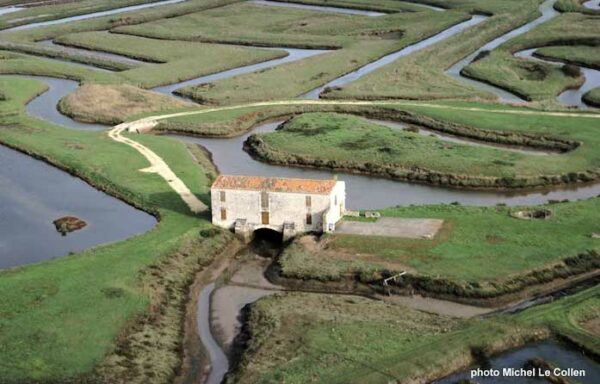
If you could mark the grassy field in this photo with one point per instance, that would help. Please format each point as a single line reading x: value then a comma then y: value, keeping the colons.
x: 112, y: 104
x: 346, y: 142
x: 66, y: 9
x: 57, y: 322
x: 246, y: 24
x: 354, y: 340
x: 475, y: 244
x: 534, y: 80
x: 174, y: 61
x: 390, y: 6
x: 16, y: 64
x: 296, y: 78
x: 421, y: 75
x: 583, y: 55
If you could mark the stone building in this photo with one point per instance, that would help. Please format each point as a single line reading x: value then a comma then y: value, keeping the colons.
x: 290, y: 206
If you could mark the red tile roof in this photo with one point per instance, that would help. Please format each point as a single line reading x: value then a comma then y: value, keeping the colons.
x: 274, y: 184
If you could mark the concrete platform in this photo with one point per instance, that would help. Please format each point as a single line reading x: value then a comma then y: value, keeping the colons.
x: 392, y: 227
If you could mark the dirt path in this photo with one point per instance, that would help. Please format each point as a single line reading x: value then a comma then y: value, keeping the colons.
x: 160, y: 167
x: 157, y: 164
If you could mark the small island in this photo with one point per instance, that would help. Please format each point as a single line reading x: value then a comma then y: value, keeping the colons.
x: 68, y: 224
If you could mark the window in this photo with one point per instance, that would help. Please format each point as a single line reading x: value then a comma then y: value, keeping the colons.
x: 222, y: 195
x: 335, y: 200
x: 223, y: 214
x: 308, y: 201
x: 264, y: 200
x: 308, y: 219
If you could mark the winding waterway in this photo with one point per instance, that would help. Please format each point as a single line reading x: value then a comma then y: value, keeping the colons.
x: 569, y: 98
x: 366, y: 192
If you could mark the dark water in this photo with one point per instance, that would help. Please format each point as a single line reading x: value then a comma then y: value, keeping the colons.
x: 92, y: 15
x: 33, y: 194
x: 556, y: 354
x: 319, y: 8
x: 371, y: 192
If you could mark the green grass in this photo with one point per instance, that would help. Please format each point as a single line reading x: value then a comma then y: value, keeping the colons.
x: 246, y: 24
x: 422, y: 75
x: 292, y: 79
x: 593, y: 97
x: 583, y: 55
x: 390, y: 6
x: 574, y: 6
x: 108, y: 22
x: 348, y: 142
x: 20, y: 64
x: 534, y: 80
x: 60, y: 11
x: 476, y: 244
x: 354, y: 340
x: 174, y: 60
x: 56, y: 321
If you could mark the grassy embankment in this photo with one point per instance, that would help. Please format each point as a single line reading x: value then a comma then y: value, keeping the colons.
x: 480, y: 246
x: 112, y: 104
x: 390, y: 6
x: 350, y: 143
x: 574, y: 6
x: 422, y: 74
x: 61, y: 318
x: 171, y: 61
x: 24, y: 41
x: 354, y: 340
x: 583, y: 55
x: 363, y: 39
x: 593, y: 97
x: 535, y: 80
x: 58, y: 10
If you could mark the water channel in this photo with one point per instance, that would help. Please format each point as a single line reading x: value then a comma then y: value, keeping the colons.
x: 366, y: 192
x: 569, y: 98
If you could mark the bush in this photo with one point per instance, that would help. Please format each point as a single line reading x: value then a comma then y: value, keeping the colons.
x: 571, y: 70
